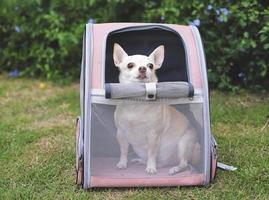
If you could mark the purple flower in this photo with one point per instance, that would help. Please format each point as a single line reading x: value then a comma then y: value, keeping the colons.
x: 225, y: 11
x: 209, y: 7
x: 14, y: 73
x: 17, y: 29
x: 242, y: 76
x: 91, y: 21
x: 195, y: 22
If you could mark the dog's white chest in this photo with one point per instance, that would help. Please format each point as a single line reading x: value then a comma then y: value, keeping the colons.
x: 136, y: 122
x: 138, y: 117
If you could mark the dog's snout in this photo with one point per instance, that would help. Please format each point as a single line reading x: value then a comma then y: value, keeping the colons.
x: 142, y: 69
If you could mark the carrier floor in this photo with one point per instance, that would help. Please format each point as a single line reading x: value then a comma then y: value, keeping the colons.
x: 105, y: 174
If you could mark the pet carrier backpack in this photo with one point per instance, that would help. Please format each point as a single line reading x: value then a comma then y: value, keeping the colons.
x: 182, y: 84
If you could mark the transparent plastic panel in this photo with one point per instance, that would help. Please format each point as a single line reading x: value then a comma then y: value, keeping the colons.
x: 159, y: 140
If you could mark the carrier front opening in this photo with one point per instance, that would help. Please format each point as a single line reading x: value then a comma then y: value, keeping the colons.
x: 143, y: 40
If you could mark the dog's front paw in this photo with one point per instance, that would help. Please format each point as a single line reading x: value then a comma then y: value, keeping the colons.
x: 122, y: 165
x: 137, y: 160
x: 151, y: 170
x: 180, y: 168
x: 173, y: 170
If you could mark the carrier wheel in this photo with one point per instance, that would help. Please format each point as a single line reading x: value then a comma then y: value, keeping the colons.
x: 79, y: 174
x: 79, y: 160
x: 214, y: 158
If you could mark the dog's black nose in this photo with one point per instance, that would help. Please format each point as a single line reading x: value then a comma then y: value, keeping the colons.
x: 142, y: 69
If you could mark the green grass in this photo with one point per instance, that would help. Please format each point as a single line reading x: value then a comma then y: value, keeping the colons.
x: 37, y: 146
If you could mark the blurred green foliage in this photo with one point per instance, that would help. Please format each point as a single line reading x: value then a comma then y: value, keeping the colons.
x: 43, y: 37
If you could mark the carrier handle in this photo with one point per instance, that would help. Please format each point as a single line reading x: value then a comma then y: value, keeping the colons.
x: 139, y: 90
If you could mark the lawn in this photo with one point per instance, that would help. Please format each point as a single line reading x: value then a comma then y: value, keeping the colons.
x: 37, y: 146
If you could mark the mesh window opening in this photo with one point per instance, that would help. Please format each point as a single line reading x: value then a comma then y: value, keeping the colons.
x: 105, y: 149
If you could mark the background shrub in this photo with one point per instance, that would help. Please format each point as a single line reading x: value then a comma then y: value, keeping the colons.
x: 43, y: 38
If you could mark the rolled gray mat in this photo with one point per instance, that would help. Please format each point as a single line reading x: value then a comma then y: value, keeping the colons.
x: 138, y: 90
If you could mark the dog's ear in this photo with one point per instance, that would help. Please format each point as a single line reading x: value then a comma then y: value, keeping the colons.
x: 158, y: 56
x: 118, y: 54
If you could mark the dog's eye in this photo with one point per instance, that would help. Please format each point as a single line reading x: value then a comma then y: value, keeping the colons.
x: 130, y: 65
x: 150, y: 65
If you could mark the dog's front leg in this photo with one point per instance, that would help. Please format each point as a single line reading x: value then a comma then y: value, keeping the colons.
x: 153, y: 148
x: 124, y: 145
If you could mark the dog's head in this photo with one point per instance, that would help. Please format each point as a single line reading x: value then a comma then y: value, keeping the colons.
x: 138, y: 68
